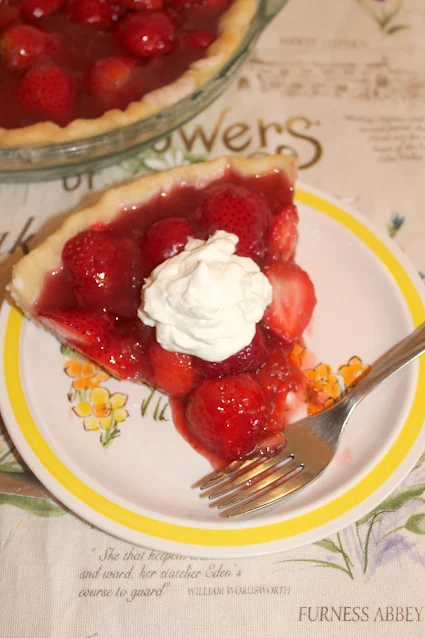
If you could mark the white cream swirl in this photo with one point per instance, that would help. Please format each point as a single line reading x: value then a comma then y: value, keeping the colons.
x: 206, y: 300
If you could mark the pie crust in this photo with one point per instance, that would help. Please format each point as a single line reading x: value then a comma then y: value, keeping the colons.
x: 232, y: 27
x: 28, y: 274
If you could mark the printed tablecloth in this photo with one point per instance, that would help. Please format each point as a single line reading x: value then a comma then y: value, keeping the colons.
x: 342, y: 86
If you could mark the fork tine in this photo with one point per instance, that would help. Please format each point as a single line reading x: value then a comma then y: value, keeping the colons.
x: 266, y: 478
x: 217, y: 475
x: 272, y: 495
x: 250, y: 472
x: 220, y: 475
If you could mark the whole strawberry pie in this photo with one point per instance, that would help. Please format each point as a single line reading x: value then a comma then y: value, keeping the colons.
x: 186, y: 280
x: 70, y: 69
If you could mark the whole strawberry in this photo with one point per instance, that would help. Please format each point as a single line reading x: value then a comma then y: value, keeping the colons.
x: 236, y: 210
x: 249, y: 359
x: 93, y: 13
x: 22, y: 45
x: 49, y: 91
x: 146, y: 35
x: 111, y: 75
x: 163, y: 240
x: 33, y: 10
x: 104, y: 271
x: 226, y: 415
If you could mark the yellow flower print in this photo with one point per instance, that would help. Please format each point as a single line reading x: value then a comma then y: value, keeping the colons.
x: 352, y: 371
x: 86, y: 375
x: 103, y: 411
x: 323, y: 380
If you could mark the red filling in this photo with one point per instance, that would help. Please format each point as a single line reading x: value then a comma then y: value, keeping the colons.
x: 228, y: 409
x: 67, y: 59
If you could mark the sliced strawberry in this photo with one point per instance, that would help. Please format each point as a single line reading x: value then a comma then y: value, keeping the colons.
x: 126, y: 356
x: 198, y: 39
x: 146, y: 35
x: 278, y: 377
x: 283, y: 236
x: 105, y: 271
x: 249, y: 359
x: 236, y: 210
x: 293, y: 300
x: 143, y: 5
x: 49, y: 91
x: 110, y: 75
x: 80, y: 328
x: 93, y: 13
x: 163, y: 240
x: 33, y: 10
x: 227, y: 415
x: 174, y: 372
x: 118, y: 346
x: 22, y: 45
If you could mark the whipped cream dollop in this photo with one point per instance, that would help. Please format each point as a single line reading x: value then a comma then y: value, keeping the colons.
x: 206, y: 300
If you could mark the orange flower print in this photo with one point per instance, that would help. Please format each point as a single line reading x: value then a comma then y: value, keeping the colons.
x: 352, y: 371
x: 86, y: 375
x: 297, y: 355
x: 100, y: 410
x: 315, y: 408
x: 323, y: 380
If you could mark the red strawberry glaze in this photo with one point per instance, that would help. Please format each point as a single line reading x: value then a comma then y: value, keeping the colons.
x: 142, y: 5
x: 180, y: 202
x: 278, y: 377
x: 9, y: 15
x: 86, y: 31
x: 130, y: 350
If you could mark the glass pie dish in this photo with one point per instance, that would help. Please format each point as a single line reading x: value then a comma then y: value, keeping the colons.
x: 32, y: 163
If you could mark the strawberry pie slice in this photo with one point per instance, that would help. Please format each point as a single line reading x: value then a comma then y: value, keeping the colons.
x: 186, y: 280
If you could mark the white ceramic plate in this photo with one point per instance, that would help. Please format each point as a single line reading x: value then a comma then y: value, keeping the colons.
x: 138, y: 488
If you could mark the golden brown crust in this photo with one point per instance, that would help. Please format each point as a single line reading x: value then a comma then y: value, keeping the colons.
x: 29, y: 272
x: 232, y: 27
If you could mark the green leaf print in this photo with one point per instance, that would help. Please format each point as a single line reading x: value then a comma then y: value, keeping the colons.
x: 329, y: 546
x: 159, y: 411
x: 36, y: 506
x: 395, y: 501
x: 396, y: 27
x: 68, y: 352
x: 416, y: 524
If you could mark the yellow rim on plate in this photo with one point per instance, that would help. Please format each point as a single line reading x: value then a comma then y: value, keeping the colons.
x: 247, y: 535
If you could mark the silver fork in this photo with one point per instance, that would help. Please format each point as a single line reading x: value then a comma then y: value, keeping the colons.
x: 248, y: 485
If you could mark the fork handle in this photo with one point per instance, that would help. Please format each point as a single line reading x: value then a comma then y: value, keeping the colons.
x: 393, y: 360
